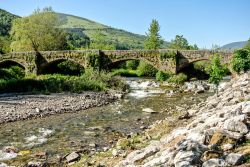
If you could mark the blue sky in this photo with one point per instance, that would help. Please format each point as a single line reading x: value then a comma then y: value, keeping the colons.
x: 204, y: 22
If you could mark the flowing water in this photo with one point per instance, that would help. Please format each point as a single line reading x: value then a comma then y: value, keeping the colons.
x: 96, y: 127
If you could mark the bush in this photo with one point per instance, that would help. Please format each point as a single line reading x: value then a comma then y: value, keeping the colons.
x: 162, y: 76
x: 70, y: 68
x: 90, y: 81
x: 12, y: 72
x: 125, y: 73
x: 145, y: 69
x: 178, y: 79
x: 132, y: 64
x: 241, y: 60
x: 200, y: 65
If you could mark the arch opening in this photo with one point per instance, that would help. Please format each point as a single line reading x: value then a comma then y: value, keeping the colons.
x: 11, y: 70
x: 63, y: 67
x: 132, y: 68
x: 196, y: 70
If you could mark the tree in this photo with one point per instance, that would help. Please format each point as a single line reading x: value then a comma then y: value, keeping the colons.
x: 38, y: 32
x: 241, y: 60
x: 153, y: 40
x: 99, y: 42
x: 181, y: 43
x: 216, y: 70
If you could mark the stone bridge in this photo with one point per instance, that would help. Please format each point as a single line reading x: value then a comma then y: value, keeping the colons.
x: 164, y: 60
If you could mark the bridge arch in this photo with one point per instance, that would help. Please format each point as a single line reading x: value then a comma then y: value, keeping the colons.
x: 52, y: 67
x: 8, y: 62
x: 113, y: 63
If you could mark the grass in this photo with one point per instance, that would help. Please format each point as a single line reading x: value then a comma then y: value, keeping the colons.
x: 54, y: 83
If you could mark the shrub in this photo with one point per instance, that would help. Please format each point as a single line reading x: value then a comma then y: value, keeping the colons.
x: 162, y: 76
x: 200, y: 65
x: 241, y: 60
x: 12, y: 72
x: 90, y: 81
x: 70, y: 68
x: 125, y: 73
x: 132, y: 64
x: 178, y: 79
x: 145, y: 69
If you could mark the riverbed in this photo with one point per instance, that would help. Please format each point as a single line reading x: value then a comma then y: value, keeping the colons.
x: 94, y: 129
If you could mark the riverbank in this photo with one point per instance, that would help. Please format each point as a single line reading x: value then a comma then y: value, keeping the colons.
x: 15, y: 107
x: 216, y: 133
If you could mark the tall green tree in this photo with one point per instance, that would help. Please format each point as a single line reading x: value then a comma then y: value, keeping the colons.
x: 181, y: 43
x: 154, y: 39
x: 216, y: 70
x: 38, y: 32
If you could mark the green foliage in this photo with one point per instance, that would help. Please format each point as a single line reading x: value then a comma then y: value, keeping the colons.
x: 241, y: 60
x: 181, y: 43
x: 77, y: 40
x: 4, y: 44
x: 38, y: 32
x: 201, y: 65
x: 132, y: 64
x: 153, y: 40
x: 125, y: 72
x: 6, y: 19
x: 145, y: 69
x: 216, y: 70
x: 91, y: 80
x: 15, y: 72
x: 99, y: 42
x: 70, y: 68
x: 162, y: 76
x: 178, y: 79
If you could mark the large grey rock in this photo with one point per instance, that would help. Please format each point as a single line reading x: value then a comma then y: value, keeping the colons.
x: 214, y: 162
x: 186, y: 158
x: 234, y: 159
x: 72, y: 157
x: 235, y: 125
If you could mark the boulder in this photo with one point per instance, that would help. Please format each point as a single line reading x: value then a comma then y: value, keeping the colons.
x: 215, y: 162
x: 235, y: 126
x: 72, y: 157
x: 234, y: 159
x: 210, y: 154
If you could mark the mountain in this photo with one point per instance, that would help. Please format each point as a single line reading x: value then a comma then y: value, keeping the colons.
x: 121, y: 38
x: 234, y: 45
x: 82, y: 31
x: 6, y: 19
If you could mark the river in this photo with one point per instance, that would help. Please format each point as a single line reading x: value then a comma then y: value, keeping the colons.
x: 95, y: 129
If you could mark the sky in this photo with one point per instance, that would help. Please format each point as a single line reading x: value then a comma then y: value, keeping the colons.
x: 201, y: 22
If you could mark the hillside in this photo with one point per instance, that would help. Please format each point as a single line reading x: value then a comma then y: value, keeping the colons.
x: 6, y: 19
x: 234, y: 45
x: 122, y: 39
x: 83, y: 30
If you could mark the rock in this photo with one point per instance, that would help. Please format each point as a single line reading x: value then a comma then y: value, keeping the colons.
x: 210, y: 154
x: 226, y: 147
x: 149, y: 110
x: 72, y: 157
x: 7, y: 156
x: 215, y: 162
x: 186, y: 158
x: 10, y: 149
x: 216, y: 138
x: 234, y: 159
x: 235, y: 126
x: 184, y: 116
x: 34, y: 164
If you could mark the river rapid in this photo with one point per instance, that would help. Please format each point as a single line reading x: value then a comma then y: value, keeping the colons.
x: 94, y: 129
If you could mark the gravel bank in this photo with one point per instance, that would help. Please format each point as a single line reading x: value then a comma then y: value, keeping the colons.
x: 21, y: 107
